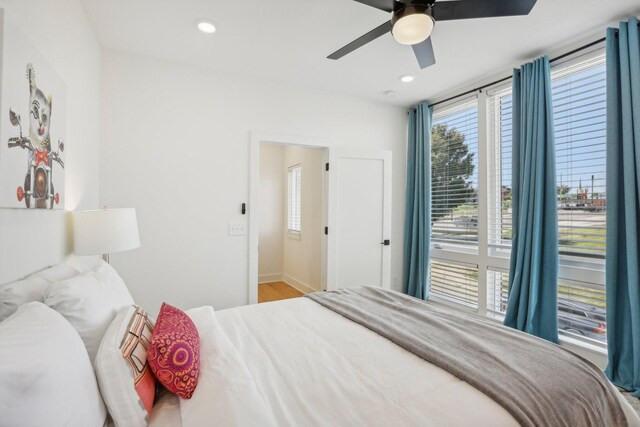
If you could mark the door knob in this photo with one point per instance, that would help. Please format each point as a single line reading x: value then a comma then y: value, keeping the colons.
x: 386, y: 242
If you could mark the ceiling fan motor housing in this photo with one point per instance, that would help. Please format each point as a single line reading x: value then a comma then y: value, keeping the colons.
x: 405, y: 12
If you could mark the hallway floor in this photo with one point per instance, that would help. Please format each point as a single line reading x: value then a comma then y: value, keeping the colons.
x: 276, y: 291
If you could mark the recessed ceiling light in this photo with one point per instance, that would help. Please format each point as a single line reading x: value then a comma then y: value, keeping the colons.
x: 390, y: 92
x: 205, y: 26
x: 406, y: 79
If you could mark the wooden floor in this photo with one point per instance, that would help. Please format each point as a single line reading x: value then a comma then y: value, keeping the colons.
x: 276, y: 291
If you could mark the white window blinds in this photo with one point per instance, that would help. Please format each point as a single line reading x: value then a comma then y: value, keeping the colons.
x: 500, y: 108
x: 579, y: 110
x: 454, y: 175
x: 454, y: 282
x: 294, y: 199
x: 579, y: 114
x: 497, y: 292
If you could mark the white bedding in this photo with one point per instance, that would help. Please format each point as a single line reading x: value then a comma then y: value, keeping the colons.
x: 166, y: 411
x: 294, y: 363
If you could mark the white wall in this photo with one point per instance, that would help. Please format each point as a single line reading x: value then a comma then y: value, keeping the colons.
x: 302, y: 258
x: 175, y: 145
x: 30, y: 240
x: 272, y: 213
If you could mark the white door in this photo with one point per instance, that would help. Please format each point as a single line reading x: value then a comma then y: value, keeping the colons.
x: 359, y: 219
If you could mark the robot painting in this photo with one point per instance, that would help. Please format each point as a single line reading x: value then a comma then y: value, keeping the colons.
x: 32, y: 126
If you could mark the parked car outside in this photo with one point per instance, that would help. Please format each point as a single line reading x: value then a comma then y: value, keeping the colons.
x: 582, y: 319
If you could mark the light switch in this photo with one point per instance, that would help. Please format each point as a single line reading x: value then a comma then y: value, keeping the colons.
x: 237, y: 229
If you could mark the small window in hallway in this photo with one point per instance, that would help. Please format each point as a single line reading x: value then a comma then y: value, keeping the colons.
x: 294, y: 199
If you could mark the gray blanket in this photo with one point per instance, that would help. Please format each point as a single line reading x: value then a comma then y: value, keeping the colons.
x: 537, y: 382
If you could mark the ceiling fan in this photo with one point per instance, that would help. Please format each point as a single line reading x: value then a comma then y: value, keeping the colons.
x: 412, y: 21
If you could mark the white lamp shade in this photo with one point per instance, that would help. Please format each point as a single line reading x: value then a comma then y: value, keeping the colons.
x: 105, y: 231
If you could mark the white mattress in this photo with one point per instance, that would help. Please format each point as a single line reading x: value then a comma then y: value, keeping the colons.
x: 294, y: 363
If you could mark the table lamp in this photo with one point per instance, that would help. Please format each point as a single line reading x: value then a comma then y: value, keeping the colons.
x: 101, y: 232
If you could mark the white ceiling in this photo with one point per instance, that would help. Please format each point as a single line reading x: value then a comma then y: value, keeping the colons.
x: 288, y: 41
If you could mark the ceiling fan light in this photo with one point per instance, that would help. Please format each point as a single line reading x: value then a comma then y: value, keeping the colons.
x: 412, y: 25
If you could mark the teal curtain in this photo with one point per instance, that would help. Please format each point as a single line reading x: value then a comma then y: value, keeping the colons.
x: 623, y: 206
x: 533, y: 273
x: 417, y: 225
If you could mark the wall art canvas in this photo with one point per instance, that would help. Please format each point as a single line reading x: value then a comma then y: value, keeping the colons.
x: 33, y: 124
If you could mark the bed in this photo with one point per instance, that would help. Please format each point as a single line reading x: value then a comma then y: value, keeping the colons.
x: 295, y: 362
x: 315, y: 361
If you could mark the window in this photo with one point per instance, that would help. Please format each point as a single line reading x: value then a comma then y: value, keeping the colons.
x: 457, y: 283
x: 472, y: 206
x: 457, y: 269
x: 294, y: 199
x: 579, y: 114
x: 454, y: 175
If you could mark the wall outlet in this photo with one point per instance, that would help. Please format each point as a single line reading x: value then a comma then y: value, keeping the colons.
x: 237, y: 229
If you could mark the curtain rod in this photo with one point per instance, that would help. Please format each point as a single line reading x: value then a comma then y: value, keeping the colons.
x: 557, y: 58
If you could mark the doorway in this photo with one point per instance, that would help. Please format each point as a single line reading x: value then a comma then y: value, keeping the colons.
x: 292, y: 205
x: 355, y: 211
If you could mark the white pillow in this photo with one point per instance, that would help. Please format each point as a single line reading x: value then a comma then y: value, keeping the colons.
x: 89, y: 301
x: 45, y: 374
x: 56, y: 273
x: 14, y: 294
x: 126, y: 381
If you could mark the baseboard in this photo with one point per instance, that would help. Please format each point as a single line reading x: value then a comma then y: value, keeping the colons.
x: 270, y: 278
x: 294, y: 283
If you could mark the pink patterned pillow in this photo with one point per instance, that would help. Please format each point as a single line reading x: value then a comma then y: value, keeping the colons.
x: 174, y: 352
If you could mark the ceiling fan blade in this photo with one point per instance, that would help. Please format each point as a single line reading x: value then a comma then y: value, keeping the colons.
x: 469, y: 9
x: 386, y: 5
x: 424, y: 53
x: 361, y: 41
